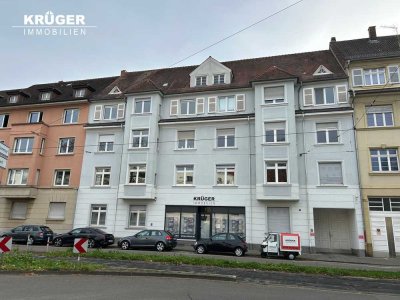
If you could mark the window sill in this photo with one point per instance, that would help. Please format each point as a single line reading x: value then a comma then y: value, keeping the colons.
x: 55, y: 219
x: 98, y: 226
x: 138, y: 148
x: 17, y: 185
x: 225, y: 148
x: 142, y: 114
x: 225, y: 186
x: 331, y: 186
x: 327, y: 144
x: 17, y: 218
x: 100, y: 187
x: 184, y: 186
x: 61, y: 186
x: 186, y: 149
x: 135, y: 228
x: 276, y: 144
x: 135, y: 184
x: 65, y: 154
x: 274, y: 104
x: 22, y: 153
x: 104, y: 152
x: 395, y: 173
x: 283, y: 184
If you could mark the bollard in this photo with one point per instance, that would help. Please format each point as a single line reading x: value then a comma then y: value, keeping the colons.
x: 48, y: 242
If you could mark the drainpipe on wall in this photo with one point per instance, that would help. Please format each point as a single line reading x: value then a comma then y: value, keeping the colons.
x: 250, y: 183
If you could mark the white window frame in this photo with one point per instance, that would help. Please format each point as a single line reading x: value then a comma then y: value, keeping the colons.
x: 63, y: 171
x: 13, y: 99
x: 275, y: 132
x: 142, y: 101
x: 100, y: 209
x: 112, y: 107
x: 383, y: 112
x: 217, y: 78
x: 139, y: 210
x: 188, y: 103
x: 327, y: 130
x: 39, y: 115
x: 42, y: 143
x: 103, y: 173
x: 106, y: 144
x: 330, y: 162
x: 218, y: 134
x: 140, y: 136
x: 137, y: 168
x: 276, y: 168
x: 388, y: 156
x: 225, y: 168
x: 51, y: 216
x: 80, y: 93
x: 358, y: 75
x: 390, y: 73
x: 74, y: 112
x: 45, y: 96
x: 201, y: 80
x: 68, y: 146
x: 18, y: 147
x: 274, y: 101
x: 185, y: 140
x: 324, y: 95
x: 227, y: 98
x: 12, y: 174
x: 371, y: 72
x: 185, y: 171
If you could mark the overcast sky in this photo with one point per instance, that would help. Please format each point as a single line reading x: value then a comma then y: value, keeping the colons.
x: 139, y: 35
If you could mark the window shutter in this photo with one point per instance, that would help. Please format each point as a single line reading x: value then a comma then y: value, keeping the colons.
x: 57, y: 210
x: 174, y: 107
x: 308, y: 96
x: 121, y: 111
x: 341, y: 93
x: 212, y: 102
x: 200, y: 105
x: 97, y: 112
x: 240, y: 102
x: 19, y: 210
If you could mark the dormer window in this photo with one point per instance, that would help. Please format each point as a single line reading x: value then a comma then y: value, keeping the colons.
x: 201, y: 80
x: 79, y: 93
x: 13, y: 99
x: 219, y: 79
x: 45, y: 96
x: 322, y: 70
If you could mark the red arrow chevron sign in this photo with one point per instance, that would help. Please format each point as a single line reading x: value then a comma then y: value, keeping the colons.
x: 80, y: 245
x: 5, y: 244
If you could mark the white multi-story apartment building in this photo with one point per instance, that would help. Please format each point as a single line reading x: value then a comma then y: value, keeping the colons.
x: 247, y: 146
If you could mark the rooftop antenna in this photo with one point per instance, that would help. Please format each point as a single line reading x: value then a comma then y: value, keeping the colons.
x: 396, y: 29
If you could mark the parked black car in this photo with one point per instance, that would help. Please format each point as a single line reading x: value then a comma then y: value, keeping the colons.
x: 222, y: 242
x: 96, y: 237
x: 37, y: 234
x: 158, y: 239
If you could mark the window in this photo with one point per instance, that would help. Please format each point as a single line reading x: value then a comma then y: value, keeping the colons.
x: 79, y: 93
x: 384, y: 204
x: 137, y: 216
x: 66, y: 146
x: 140, y: 138
x: 275, y: 132
x: 379, y: 116
x: 35, y: 117
x: 188, y: 107
x: 225, y: 138
x: 19, y: 210
x: 142, y: 106
x: 394, y: 74
x: 184, y: 175
x: 106, y: 143
x: 110, y: 112
x: 384, y: 160
x: 61, y: 177
x: 102, y: 176
x: 226, y: 104
x: 98, y: 215
x: 23, y: 145
x: 276, y: 172
x: 225, y: 174
x: 3, y: 120
x: 57, y: 210
x: 41, y: 151
x: 324, y: 95
x: 374, y: 76
x: 137, y: 174
x: 330, y: 173
x: 186, y: 139
x: 201, y: 80
x: 71, y: 116
x: 13, y: 99
x: 327, y: 133
x: 357, y: 77
x: 219, y: 79
x: 274, y: 94
x: 45, y: 96
x: 17, y: 176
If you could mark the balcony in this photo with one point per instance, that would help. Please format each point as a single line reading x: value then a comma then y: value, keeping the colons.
x: 18, y: 192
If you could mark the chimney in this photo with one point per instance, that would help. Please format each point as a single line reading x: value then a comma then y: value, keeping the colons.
x: 372, y: 33
x: 123, y: 73
x: 333, y: 39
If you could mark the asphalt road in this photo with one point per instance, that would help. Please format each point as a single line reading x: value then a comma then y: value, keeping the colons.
x: 98, y: 287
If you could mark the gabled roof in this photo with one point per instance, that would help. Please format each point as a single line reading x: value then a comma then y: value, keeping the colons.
x: 364, y: 49
x: 213, y: 61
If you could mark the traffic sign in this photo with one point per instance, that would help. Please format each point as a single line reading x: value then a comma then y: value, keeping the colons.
x: 80, y: 245
x: 5, y: 244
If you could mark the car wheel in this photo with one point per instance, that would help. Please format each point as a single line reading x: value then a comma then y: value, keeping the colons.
x: 57, y: 242
x: 91, y: 243
x: 263, y: 254
x: 125, y: 245
x: 239, y: 251
x: 291, y: 256
x: 160, y: 246
x: 201, y: 249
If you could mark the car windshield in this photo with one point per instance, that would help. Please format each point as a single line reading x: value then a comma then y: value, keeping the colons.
x: 45, y: 228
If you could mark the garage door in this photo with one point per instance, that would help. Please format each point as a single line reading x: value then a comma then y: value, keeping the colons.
x: 278, y: 219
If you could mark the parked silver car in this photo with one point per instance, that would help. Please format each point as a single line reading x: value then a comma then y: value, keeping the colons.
x: 159, y: 239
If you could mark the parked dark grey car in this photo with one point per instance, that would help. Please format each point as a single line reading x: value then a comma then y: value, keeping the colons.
x: 158, y: 239
x: 36, y: 234
x: 96, y: 237
x: 222, y: 242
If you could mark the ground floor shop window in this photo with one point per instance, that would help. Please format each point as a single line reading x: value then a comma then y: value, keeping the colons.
x: 98, y: 215
x: 193, y: 222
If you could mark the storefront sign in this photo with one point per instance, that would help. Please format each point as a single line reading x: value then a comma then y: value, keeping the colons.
x: 203, y: 200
